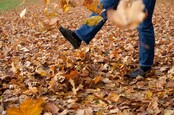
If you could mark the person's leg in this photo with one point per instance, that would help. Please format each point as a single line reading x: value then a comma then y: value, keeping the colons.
x: 86, y: 33
x: 146, y: 41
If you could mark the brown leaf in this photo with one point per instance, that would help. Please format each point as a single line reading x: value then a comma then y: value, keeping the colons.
x: 51, y: 107
x: 86, y: 111
x: 114, y: 97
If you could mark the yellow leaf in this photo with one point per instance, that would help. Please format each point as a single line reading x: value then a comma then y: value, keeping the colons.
x: 47, y: 2
x: 28, y: 107
x: 14, y: 69
x: 114, y: 97
x: 66, y: 5
x: 148, y: 94
x: 22, y: 14
x: 93, y: 21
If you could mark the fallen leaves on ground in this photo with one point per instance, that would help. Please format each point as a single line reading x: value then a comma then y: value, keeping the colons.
x: 36, y: 61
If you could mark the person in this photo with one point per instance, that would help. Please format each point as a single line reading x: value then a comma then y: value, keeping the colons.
x: 146, y: 35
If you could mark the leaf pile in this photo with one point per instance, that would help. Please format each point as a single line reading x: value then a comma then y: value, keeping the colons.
x: 36, y: 61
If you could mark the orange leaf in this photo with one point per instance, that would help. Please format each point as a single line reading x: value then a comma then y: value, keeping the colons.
x: 114, y: 97
x: 73, y: 74
x: 93, y: 6
x: 67, y: 5
x: 97, y: 79
x: 28, y: 107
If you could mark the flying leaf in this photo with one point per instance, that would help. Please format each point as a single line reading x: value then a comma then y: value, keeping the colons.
x: 127, y: 14
x: 47, y: 2
x: 22, y: 14
x: 66, y: 5
x: 93, y: 21
x: 28, y: 107
x: 93, y: 6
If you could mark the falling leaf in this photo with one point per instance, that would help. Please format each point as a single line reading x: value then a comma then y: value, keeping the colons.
x: 67, y: 5
x: 92, y: 5
x: 28, y: 107
x: 22, y: 14
x: 93, y: 21
x: 47, y: 2
x: 126, y: 14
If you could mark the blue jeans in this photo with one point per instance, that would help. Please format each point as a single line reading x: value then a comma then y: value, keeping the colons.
x: 146, y: 31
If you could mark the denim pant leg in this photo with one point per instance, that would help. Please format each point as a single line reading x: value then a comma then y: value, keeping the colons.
x: 86, y: 33
x: 146, y: 36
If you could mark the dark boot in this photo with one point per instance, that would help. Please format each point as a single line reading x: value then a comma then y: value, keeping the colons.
x: 71, y: 37
x: 141, y: 71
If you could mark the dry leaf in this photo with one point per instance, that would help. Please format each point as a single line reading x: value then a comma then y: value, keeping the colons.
x: 87, y: 111
x: 92, y: 5
x: 31, y: 90
x: 14, y: 68
x: 67, y: 5
x: 28, y: 107
x: 74, y: 89
x: 51, y: 107
x: 153, y: 106
x: 22, y: 14
x: 43, y: 71
x: 93, y: 21
x: 97, y: 79
x: 126, y: 14
x: 124, y: 112
x: 47, y: 2
x: 114, y: 97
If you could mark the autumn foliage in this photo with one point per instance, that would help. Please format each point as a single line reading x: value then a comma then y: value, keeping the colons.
x: 40, y: 73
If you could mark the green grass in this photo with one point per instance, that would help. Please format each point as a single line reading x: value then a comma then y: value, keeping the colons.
x: 9, y: 4
x: 6, y: 5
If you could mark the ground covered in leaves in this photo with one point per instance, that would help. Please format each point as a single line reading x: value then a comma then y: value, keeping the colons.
x: 37, y: 62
